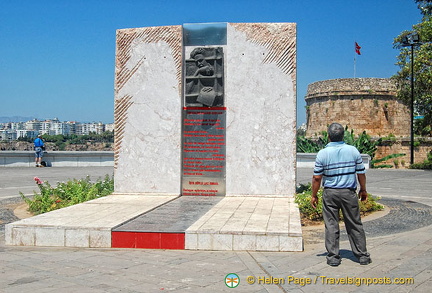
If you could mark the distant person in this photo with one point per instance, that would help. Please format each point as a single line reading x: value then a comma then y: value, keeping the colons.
x: 39, y: 150
x: 338, y: 165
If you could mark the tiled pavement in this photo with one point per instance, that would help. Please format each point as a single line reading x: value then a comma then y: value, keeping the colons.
x: 85, y: 225
x: 399, y: 257
x: 248, y: 223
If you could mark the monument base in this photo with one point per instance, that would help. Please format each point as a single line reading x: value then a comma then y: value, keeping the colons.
x: 136, y: 221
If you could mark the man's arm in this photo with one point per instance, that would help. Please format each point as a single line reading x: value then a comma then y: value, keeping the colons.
x: 316, y: 184
x: 362, y: 182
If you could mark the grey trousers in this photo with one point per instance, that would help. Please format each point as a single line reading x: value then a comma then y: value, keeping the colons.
x: 347, y: 201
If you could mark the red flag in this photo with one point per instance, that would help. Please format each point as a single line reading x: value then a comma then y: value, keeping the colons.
x: 357, y: 48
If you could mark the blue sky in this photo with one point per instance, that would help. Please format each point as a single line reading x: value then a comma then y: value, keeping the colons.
x: 57, y: 56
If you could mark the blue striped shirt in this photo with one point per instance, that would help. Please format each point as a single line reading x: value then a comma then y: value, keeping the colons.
x: 339, y: 163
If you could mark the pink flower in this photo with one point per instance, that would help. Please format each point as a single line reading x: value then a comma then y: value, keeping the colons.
x: 38, y: 181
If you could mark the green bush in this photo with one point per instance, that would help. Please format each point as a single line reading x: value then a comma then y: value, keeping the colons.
x: 385, y: 166
x: 302, y: 199
x: 305, y: 145
x: 427, y: 164
x: 386, y: 158
x: 67, y: 193
x: 304, y: 195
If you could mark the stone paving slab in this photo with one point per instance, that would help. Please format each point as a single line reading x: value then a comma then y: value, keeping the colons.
x: 83, y: 225
x: 248, y: 223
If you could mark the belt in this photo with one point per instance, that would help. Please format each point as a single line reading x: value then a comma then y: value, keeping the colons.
x: 352, y: 189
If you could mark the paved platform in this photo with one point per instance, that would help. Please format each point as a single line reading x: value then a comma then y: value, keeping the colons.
x: 166, y: 222
x: 87, y: 224
x: 160, y: 221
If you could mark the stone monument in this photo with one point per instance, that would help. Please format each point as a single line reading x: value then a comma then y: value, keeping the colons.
x: 205, y: 145
x: 206, y: 109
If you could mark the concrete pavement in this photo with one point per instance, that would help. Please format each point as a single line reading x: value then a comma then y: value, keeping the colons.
x: 404, y: 257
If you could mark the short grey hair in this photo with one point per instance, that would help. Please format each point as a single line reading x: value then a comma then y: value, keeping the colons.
x: 336, y: 132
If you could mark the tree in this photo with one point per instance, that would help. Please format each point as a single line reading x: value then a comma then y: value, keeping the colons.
x: 422, y: 69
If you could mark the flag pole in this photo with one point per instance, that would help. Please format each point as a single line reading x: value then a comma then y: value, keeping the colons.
x: 356, y: 52
x: 355, y: 59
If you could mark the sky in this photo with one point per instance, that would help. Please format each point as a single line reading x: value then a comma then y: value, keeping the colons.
x: 57, y: 56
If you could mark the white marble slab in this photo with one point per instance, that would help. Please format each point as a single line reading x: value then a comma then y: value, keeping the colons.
x: 148, y: 149
x: 83, y: 225
x: 261, y: 118
x: 248, y: 223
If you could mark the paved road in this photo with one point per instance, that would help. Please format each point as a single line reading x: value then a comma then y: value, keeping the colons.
x: 14, y: 180
x: 403, y: 184
x: 404, y: 257
x: 392, y: 183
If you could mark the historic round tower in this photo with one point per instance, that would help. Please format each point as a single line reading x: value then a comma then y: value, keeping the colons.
x: 368, y: 104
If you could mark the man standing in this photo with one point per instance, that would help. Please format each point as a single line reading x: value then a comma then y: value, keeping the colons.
x: 338, y: 165
x: 38, y: 148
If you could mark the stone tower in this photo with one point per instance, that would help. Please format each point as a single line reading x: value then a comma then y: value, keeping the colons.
x: 363, y: 104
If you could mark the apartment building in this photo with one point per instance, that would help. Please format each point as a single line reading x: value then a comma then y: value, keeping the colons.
x: 14, y: 130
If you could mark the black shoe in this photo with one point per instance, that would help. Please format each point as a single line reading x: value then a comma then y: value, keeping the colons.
x: 334, y: 262
x: 365, y: 260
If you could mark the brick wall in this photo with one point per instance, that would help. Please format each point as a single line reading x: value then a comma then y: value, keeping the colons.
x: 403, y: 147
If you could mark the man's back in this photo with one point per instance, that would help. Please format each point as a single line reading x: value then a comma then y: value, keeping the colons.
x: 339, y: 163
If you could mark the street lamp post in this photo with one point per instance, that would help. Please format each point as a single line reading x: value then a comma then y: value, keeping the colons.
x: 412, y: 40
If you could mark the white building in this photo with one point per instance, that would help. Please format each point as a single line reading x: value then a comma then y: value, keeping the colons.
x: 32, y: 128
x: 26, y: 133
x: 86, y: 128
x: 109, y: 127
x: 33, y: 125
x: 57, y: 128
x: 8, y: 135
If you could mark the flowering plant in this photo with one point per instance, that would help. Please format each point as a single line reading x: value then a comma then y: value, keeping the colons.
x: 38, y: 181
x: 66, y: 193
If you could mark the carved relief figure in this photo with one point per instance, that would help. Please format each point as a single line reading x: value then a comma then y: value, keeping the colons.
x: 204, y: 78
x: 204, y: 68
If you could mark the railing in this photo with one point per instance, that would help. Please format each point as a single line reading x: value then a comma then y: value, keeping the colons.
x: 84, y: 159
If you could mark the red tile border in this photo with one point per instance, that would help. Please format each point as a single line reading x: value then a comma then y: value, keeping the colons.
x: 123, y: 239
x: 172, y: 240
x: 148, y: 240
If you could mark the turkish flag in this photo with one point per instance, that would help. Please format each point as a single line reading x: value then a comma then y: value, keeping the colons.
x: 357, y: 48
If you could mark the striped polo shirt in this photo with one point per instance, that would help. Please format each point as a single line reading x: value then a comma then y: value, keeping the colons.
x: 339, y: 163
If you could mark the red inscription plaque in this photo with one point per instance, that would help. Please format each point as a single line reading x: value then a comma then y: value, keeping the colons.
x: 203, y: 151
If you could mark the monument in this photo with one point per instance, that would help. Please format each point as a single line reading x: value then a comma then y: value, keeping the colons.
x: 208, y: 110
x: 206, y: 107
x: 205, y: 145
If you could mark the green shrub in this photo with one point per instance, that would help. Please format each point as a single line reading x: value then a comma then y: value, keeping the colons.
x: 384, y: 166
x: 305, y: 145
x: 427, y: 164
x: 386, y: 158
x: 304, y: 195
x: 67, y: 193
